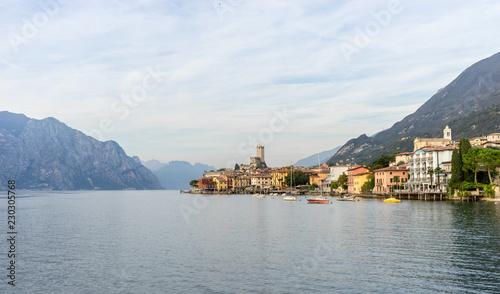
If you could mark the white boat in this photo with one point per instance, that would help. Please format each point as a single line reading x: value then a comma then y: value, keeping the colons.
x: 259, y: 195
x: 319, y: 199
x: 346, y: 198
x: 290, y: 198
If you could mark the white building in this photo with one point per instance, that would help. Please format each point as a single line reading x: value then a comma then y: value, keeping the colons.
x: 335, y: 172
x: 430, y: 158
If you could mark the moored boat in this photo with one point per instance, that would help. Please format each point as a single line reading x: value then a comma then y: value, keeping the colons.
x: 392, y: 200
x: 346, y: 198
x: 318, y: 200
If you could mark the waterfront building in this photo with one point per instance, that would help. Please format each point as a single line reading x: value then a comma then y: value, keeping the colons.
x: 359, y: 180
x: 429, y: 159
x: 206, y: 184
x: 278, y: 177
x: 262, y: 180
x: 241, y: 181
x: 350, y: 176
x: 384, y: 178
x: 220, y: 183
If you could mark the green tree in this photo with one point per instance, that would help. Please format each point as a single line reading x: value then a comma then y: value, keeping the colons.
x: 369, y: 184
x: 430, y: 172
x: 489, y: 159
x: 313, y: 187
x: 342, y: 181
x: 471, y: 162
x: 299, y: 178
x: 381, y: 162
x: 457, y: 174
x: 194, y: 183
x: 395, y: 179
x: 236, y: 167
x: 465, y: 146
x: 438, y: 171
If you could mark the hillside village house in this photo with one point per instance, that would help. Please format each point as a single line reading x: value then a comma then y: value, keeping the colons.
x: 357, y: 170
x: 384, y: 178
x: 403, y: 157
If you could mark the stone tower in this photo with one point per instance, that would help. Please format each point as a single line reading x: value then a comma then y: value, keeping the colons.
x: 447, y: 133
x: 260, y: 153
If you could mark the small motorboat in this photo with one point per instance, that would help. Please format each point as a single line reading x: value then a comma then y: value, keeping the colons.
x: 289, y: 198
x: 392, y: 200
x: 259, y: 195
x: 318, y: 200
x: 346, y: 198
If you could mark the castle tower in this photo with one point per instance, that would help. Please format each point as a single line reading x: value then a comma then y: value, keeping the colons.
x: 447, y: 133
x: 260, y: 153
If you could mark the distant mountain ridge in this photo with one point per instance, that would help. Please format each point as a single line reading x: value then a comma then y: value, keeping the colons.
x: 176, y: 175
x: 313, y: 159
x: 474, y: 91
x: 47, y: 154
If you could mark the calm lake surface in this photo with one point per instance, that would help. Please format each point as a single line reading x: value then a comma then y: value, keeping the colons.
x: 166, y: 242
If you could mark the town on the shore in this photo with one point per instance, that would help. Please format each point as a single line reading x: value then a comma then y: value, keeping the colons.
x: 436, y: 165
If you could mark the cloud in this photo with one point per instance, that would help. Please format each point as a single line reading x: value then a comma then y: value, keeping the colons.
x: 227, y: 71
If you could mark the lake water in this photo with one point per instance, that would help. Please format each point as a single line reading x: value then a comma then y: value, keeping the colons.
x: 166, y: 242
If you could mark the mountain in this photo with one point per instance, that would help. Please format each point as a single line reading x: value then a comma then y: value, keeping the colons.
x: 176, y: 175
x: 313, y: 159
x: 473, y: 92
x: 47, y: 154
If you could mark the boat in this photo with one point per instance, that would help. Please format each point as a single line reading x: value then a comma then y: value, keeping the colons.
x: 290, y: 198
x: 392, y: 200
x: 259, y: 195
x: 319, y: 199
x: 346, y: 198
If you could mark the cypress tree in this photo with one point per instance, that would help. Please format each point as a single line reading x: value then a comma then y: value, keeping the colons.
x: 465, y: 146
x: 457, y: 174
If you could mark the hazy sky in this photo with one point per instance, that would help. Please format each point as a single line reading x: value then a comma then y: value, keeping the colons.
x: 205, y: 81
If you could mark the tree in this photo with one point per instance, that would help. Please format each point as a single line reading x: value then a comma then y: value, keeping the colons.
x: 395, y: 179
x: 236, y: 167
x: 381, y: 162
x: 430, y: 172
x: 369, y: 184
x: 490, y: 159
x: 438, y: 171
x: 465, y: 146
x: 299, y: 178
x: 194, y: 183
x: 471, y: 162
x: 457, y: 174
x: 342, y: 181
x: 313, y: 187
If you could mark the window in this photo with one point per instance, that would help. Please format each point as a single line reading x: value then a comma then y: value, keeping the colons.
x: 404, y: 173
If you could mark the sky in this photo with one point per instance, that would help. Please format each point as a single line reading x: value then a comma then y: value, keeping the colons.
x: 206, y: 81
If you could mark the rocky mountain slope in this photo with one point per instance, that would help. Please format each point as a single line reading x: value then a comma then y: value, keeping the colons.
x: 473, y: 92
x: 313, y: 159
x: 47, y: 154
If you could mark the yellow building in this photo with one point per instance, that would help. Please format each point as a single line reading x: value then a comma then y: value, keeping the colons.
x: 278, y: 177
x: 220, y: 183
x: 319, y: 178
x: 241, y: 181
x: 359, y: 180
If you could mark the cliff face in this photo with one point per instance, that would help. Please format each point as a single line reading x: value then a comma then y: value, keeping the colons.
x: 473, y: 91
x: 47, y: 154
